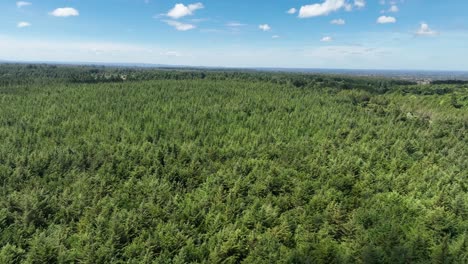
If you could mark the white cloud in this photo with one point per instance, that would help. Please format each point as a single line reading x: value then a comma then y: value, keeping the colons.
x: 348, y: 7
x: 393, y: 9
x: 57, y: 50
x: 179, y: 26
x: 346, y: 54
x: 338, y: 21
x: 275, y: 36
x: 292, y: 11
x: 425, y: 30
x: 65, y: 12
x: 264, y: 27
x: 21, y: 4
x: 374, y: 54
x: 171, y: 54
x: 322, y: 9
x: 326, y: 39
x: 235, y: 24
x: 360, y: 3
x: 23, y: 24
x: 181, y: 10
x: 199, y: 20
x: 386, y: 20
x: 330, y: 56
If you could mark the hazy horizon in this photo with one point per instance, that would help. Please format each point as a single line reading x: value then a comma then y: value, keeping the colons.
x: 175, y: 66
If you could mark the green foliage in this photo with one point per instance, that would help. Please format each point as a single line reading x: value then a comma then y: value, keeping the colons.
x: 229, y: 167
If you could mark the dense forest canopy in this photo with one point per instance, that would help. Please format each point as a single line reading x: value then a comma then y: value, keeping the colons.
x: 121, y: 165
x: 32, y: 73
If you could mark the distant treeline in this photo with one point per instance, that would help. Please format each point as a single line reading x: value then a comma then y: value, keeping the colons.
x: 449, y: 82
x: 13, y: 74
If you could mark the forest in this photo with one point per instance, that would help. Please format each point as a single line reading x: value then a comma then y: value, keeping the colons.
x: 136, y: 165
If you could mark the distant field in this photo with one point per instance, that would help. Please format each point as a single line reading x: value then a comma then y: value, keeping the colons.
x: 105, y: 165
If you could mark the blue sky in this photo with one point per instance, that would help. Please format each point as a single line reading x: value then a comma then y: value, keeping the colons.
x: 354, y: 34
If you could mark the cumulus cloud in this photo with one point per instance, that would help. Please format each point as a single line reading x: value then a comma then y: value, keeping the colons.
x: 393, y: 9
x: 338, y: 21
x: 21, y: 4
x: 264, y: 27
x: 292, y: 11
x: 65, y: 12
x: 322, y: 9
x: 348, y: 7
x: 23, y: 24
x: 360, y: 3
x: 386, y: 20
x: 326, y: 39
x: 275, y: 36
x: 179, y: 26
x: 181, y: 10
x: 425, y: 30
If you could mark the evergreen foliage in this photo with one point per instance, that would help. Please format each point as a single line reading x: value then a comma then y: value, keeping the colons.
x: 229, y: 167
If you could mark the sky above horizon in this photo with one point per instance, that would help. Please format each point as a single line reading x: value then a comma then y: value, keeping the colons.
x: 344, y: 34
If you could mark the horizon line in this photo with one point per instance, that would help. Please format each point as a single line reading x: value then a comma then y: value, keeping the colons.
x: 156, y: 65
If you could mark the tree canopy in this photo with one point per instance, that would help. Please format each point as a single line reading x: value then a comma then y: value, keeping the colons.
x: 195, y: 166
